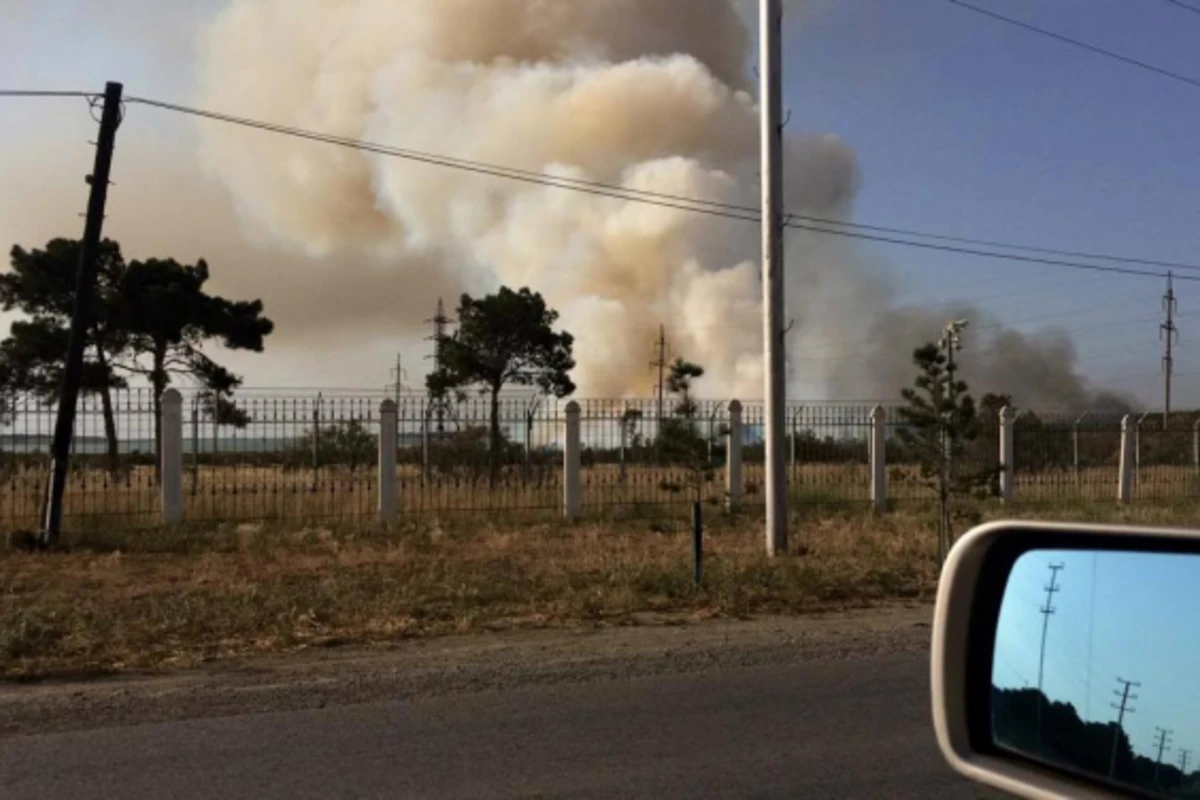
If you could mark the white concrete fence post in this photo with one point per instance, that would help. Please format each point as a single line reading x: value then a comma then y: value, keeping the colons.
x: 1196, y: 447
x: 388, y: 427
x: 572, y: 464
x: 1128, y: 458
x: 1008, y: 488
x: 878, y: 454
x: 171, y: 457
x: 1075, y: 463
x: 734, y: 482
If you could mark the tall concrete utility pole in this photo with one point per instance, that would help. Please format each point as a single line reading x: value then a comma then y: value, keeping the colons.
x: 1122, y: 709
x: 85, y: 290
x: 774, y: 357
x: 1169, y: 334
x: 1046, y: 611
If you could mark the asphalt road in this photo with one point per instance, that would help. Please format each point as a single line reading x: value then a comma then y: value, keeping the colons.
x: 858, y: 727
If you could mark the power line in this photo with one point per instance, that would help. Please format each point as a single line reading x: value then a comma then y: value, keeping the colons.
x: 715, y: 208
x: 623, y: 192
x: 980, y: 253
x: 1150, y: 262
x: 562, y: 182
x: 1185, y: 6
x: 727, y: 211
x: 1077, y: 43
x: 42, y: 93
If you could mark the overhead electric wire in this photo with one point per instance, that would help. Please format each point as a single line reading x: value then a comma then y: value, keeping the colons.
x: 625, y: 193
x: 726, y: 210
x: 1185, y: 6
x: 740, y: 213
x: 984, y: 254
x: 1077, y: 43
x: 41, y: 93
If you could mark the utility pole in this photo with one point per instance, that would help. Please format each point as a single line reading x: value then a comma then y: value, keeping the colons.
x: 661, y: 349
x: 1122, y: 710
x: 774, y: 356
x: 1184, y: 757
x: 85, y: 289
x: 951, y: 345
x: 1164, y: 736
x: 440, y: 322
x: 1169, y: 333
x: 1046, y: 610
x: 400, y: 374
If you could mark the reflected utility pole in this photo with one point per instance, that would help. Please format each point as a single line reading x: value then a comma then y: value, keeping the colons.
x: 1164, y: 736
x: 1047, y: 610
x: 1122, y: 709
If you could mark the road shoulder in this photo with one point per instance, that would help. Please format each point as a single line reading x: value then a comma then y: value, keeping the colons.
x: 423, y: 668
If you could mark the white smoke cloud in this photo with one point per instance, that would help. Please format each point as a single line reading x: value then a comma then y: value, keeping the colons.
x: 626, y: 92
x: 629, y: 92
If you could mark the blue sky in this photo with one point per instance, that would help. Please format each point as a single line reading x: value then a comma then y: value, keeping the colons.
x: 1118, y: 615
x: 962, y: 126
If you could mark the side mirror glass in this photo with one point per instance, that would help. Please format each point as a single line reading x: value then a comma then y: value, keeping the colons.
x: 1094, y: 666
x: 1064, y: 659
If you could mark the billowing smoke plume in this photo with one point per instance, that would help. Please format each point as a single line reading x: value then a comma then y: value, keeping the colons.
x: 626, y: 92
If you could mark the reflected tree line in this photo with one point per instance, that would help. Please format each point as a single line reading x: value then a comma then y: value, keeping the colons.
x: 1029, y: 721
x: 1064, y: 738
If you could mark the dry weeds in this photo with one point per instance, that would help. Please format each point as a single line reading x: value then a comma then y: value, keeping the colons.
x: 166, y: 599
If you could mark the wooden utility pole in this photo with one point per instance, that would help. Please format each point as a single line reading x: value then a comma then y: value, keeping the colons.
x: 774, y: 333
x: 85, y: 290
x: 1164, y: 736
x: 1047, y: 611
x: 1122, y: 709
x: 1169, y: 334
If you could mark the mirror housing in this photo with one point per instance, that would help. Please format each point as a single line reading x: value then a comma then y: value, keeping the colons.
x: 970, y: 595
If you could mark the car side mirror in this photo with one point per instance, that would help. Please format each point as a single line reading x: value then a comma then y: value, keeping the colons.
x: 1065, y: 660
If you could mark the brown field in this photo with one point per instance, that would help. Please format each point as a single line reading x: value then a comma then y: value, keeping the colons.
x: 166, y: 599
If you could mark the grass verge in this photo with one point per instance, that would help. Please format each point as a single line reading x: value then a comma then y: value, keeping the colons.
x: 170, y: 599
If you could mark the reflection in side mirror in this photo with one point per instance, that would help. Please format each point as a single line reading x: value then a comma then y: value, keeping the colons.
x: 1095, y: 666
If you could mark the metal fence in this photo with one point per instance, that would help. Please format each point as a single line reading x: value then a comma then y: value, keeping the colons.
x: 269, y: 457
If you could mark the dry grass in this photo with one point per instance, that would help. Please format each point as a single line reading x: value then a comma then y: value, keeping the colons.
x: 173, y: 599
x: 162, y: 599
